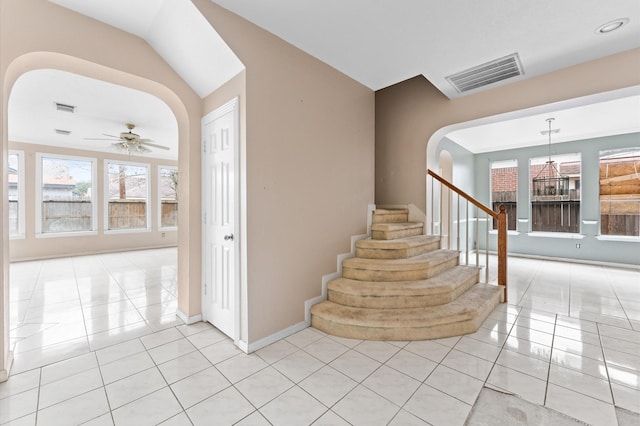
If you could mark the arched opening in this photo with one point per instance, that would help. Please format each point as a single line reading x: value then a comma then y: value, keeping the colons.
x: 46, y: 60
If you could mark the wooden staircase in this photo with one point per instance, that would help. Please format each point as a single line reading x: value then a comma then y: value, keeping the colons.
x: 402, y: 286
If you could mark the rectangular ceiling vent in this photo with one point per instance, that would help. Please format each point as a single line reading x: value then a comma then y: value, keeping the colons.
x: 65, y: 107
x: 62, y: 132
x: 487, y: 73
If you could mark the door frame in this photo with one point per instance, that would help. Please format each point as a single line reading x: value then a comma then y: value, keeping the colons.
x: 240, y: 265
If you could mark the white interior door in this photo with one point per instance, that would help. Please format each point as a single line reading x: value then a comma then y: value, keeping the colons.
x: 220, y: 186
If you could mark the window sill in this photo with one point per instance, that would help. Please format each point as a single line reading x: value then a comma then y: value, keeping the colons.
x: 168, y: 229
x: 564, y: 235
x: 67, y: 234
x: 624, y: 238
x: 495, y: 232
x: 126, y: 231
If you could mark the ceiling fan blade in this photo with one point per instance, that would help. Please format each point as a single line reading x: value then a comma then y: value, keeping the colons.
x: 111, y: 136
x: 101, y: 139
x: 154, y: 145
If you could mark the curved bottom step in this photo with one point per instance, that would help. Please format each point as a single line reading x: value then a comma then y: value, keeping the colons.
x: 462, y: 316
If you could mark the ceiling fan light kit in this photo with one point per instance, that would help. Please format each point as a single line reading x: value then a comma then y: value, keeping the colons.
x: 130, y: 142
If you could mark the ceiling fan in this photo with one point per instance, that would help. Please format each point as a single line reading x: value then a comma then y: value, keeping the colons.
x: 129, y: 141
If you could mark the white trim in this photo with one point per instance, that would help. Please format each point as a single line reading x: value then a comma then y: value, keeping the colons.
x: 564, y: 235
x: 188, y: 320
x: 619, y: 238
x: 571, y: 260
x: 106, y: 197
x: 21, y: 194
x: 240, y: 219
x: 38, y: 193
x: 159, y: 197
x: 589, y: 222
x: 266, y: 341
x: 67, y: 234
x: 4, y: 374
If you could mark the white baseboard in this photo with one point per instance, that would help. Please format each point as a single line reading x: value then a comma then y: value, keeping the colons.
x: 266, y: 341
x: 4, y: 374
x: 188, y: 320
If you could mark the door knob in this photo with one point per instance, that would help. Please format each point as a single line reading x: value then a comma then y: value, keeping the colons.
x: 228, y: 237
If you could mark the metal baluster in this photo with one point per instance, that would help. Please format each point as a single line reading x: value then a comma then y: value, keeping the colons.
x: 433, y: 219
x: 466, y: 258
x: 458, y: 232
x: 477, y: 237
x: 440, y: 204
x: 449, y: 239
x: 486, y: 250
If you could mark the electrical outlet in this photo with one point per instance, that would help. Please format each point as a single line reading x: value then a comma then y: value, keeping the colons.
x: 162, y: 235
x: 578, y: 245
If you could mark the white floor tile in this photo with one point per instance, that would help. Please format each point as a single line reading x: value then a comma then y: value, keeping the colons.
x: 264, y: 386
x: 226, y: 407
x: 151, y: 409
x: 580, y: 382
x: 157, y: 339
x: 276, y: 351
x: 206, y: 338
x: 172, y: 350
x: 581, y: 407
x: 482, y: 350
x: 380, y: 351
x: 220, y: 351
x: 298, y: 365
x: 523, y: 385
x: 69, y: 387
x: 331, y: 419
x: 294, y: 407
x: 253, y: 419
x: 183, y: 366
x: 362, y: 407
x: 178, y: 420
x: 240, y: 367
x: 355, y: 365
x: 76, y: 410
x: 454, y: 383
x: 133, y: 387
x: 103, y: 420
x: 304, y: 337
x: 200, y: 386
x: 20, y: 383
x: 524, y: 364
x: 437, y: 408
x: 328, y: 385
x: 411, y: 364
x: 627, y: 398
x: 119, y: 351
x: 428, y: 349
x: 325, y: 349
x: 404, y: 418
x: 468, y: 364
x: 126, y: 367
x: 18, y: 405
x: 528, y: 348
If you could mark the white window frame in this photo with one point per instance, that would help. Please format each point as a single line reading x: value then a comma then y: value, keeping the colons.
x: 106, y: 229
x: 38, y: 197
x: 159, y: 203
x: 505, y: 164
x: 21, y: 195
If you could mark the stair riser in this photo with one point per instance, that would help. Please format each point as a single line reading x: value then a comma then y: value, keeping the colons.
x: 423, y: 273
x: 374, y: 301
x: 400, y: 333
x: 392, y: 235
x: 390, y: 218
x: 405, y: 253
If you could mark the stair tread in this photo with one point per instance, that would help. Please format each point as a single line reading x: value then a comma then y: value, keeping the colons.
x: 395, y: 226
x: 464, y: 308
x: 441, y: 283
x: 390, y: 211
x: 399, y: 243
x: 416, y: 262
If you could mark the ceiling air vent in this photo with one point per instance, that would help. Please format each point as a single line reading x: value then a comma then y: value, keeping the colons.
x: 65, y: 107
x: 62, y: 132
x: 487, y: 73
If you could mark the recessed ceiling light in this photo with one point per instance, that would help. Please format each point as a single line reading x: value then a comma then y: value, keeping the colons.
x: 65, y: 107
x: 612, y: 25
x: 62, y: 132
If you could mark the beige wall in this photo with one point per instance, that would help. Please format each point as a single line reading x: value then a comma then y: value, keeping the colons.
x: 31, y: 247
x: 38, y: 34
x: 409, y: 113
x: 310, y: 169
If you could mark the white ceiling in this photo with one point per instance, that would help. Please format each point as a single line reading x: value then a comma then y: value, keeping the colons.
x: 101, y: 108
x: 376, y: 43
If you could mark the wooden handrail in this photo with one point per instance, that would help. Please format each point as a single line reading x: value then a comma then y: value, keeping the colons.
x: 501, y: 219
x: 468, y: 197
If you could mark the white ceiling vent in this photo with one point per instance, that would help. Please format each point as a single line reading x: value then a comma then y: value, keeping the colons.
x: 62, y: 132
x: 65, y: 107
x: 487, y: 73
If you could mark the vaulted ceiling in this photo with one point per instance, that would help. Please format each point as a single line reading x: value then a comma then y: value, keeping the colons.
x: 381, y: 43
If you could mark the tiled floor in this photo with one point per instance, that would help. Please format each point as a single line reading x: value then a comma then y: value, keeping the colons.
x: 97, y: 343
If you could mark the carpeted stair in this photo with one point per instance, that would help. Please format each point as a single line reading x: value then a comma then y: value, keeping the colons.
x: 402, y: 286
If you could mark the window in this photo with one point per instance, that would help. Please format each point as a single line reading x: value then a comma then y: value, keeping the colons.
x: 504, y: 190
x: 620, y: 192
x: 127, y: 195
x: 168, y: 185
x: 15, y: 190
x: 555, y: 193
x: 65, y: 196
